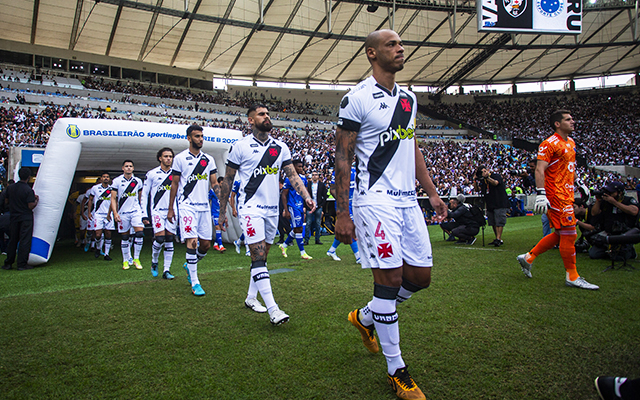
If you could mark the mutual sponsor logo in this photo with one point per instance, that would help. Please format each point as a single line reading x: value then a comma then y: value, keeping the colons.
x: 378, y: 95
x: 129, y: 194
x: 550, y: 8
x: 73, y: 131
x: 395, y: 134
x: 265, y: 171
x: 515, y: 8
x: 396, y: 193
x: 253, y: 145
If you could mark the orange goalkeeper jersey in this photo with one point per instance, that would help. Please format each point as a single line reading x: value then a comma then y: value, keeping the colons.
x: 559, y: 176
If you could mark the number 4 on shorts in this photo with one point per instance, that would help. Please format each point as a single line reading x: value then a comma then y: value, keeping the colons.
x: 379, y: 231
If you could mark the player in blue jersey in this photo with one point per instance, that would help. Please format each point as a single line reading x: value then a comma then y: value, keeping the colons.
x: 354, y: 244
x: 215, y: 213
x: 294, y: 212
x: 235, y: 191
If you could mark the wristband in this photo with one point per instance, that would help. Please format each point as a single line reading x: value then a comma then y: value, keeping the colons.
x: 541, y: 191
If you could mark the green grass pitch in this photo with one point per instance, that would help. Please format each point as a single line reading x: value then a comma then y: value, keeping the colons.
x: 81, y: 328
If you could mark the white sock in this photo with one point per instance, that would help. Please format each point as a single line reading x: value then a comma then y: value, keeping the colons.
x: 168, y: 255
x: 260, y: 275
x: 385, y: 319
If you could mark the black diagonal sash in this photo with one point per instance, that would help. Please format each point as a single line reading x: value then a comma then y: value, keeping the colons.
x: 200, y: 168
x: 383, y: 154
x: 129, y: 189
x: 270, y: 156
x: 100, y: 199
x: 161, y: 192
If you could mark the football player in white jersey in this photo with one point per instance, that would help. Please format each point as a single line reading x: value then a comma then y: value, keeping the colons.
x: 194, y: 172
x: 258, y: 159
x: 100, y: 215
x: 125, y: 205
x: 377, y: 121
x: 155, y: 204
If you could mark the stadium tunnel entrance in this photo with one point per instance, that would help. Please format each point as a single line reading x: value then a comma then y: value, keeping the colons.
x: 78, y: 144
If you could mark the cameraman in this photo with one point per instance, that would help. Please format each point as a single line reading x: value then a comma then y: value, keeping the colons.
x: 463, y: 226
x: 492, y: 188
x: 618, y: 214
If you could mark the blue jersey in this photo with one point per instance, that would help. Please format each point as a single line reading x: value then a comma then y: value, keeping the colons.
x: 235, y: 190
x: 294, y: 200
x: 215, y: 204
x: 352, y: 183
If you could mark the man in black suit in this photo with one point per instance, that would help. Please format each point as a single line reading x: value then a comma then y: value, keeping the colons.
x: 22, y: 200
x: 318, y: 192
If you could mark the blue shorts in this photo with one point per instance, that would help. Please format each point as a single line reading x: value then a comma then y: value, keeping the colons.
x: 297, y: 217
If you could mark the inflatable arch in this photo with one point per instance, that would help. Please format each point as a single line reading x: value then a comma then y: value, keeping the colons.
x: 96, y: 144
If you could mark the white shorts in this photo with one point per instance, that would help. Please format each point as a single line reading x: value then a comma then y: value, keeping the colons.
x: 129, y: 220
x: 258, y: 228
x: 101, y: 223
x: 83, y: 224
x: 195, y: 224
x: 392, y: 235
x: 160, y: 223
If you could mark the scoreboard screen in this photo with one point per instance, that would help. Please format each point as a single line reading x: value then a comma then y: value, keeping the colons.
x: 530, y: 16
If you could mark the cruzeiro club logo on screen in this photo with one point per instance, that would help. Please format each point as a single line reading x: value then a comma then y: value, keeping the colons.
x: 549, y: 8
x: 73, y: 131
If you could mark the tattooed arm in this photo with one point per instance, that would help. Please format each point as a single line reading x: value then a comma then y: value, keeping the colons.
x: 298, y: 186
x: 223, y: 196
x: 345, y: 146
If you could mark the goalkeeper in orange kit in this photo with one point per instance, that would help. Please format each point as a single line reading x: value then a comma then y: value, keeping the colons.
x: 555, y: 174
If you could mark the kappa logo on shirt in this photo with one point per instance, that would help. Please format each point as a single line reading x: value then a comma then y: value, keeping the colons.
x: 383, y: 106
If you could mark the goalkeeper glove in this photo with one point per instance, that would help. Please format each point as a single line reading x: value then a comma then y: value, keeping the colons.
x: 542, y: 204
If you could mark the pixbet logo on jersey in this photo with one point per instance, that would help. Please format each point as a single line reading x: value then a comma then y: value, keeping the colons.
x: 198, y: 177
x: 265, y: 171
x: 395, y: 134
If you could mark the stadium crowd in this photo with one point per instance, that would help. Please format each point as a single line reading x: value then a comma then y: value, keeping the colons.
x: 608, y: 130
x: 452, y: 163
x: 607, y: 125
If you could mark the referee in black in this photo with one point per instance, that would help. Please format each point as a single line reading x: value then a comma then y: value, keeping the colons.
x: 21, y: 200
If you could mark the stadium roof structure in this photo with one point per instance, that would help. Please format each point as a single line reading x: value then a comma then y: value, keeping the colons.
x: 321, y: 41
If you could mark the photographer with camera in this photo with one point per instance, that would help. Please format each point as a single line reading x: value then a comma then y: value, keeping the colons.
x: 619, y: 216
x: 462, y: 224
x: 555, y: 176
x: 491, y: 187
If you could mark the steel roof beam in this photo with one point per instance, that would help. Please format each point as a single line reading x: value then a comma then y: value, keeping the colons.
x: 73, y: 38
x: 513, y: 58
x: 475, y: 62
x: 254, y: 28
x: 114, y: 27
x: 34, y: 20
x: 216, y: 36
x: 335, y: 42
x: 308, y: 43
x: 451, y: 45
x: 586, y: 40
x: 186, y: 30
x: 147, y: 37
x: 279, y: 38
